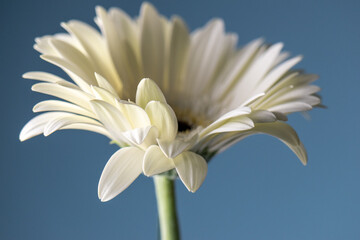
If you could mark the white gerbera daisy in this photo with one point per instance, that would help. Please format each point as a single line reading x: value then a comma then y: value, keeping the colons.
x: 205, y: 94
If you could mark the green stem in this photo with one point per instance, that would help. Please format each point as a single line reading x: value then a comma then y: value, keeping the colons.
x: 165, y: 196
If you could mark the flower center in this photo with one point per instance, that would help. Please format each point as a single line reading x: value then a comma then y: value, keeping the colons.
x: 183, y: 126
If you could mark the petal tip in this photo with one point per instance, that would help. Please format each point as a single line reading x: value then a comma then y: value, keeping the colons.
x: 100, y: 10
x: 22, y: 138
x: 104, y: 199
x: 25, y: 75
x: 147, y: 6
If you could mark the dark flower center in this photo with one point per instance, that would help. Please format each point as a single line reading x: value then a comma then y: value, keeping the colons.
x: 183, y: 126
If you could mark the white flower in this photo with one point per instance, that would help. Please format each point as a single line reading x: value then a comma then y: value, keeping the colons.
x: 205, y: 96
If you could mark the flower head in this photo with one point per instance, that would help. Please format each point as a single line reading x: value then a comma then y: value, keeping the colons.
x: 171, y: 99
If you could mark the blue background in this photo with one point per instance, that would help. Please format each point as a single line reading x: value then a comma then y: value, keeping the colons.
x: 255, y: 190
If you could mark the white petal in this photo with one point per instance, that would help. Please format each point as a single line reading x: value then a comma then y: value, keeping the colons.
x: 173, y: 148
x: 282, y: 56
x: 66, y: 119
x: 178, y: 52
x: 61, y: 106
x: 121, y: 36
x: 81, y: 78
x: 236, y: 65
x: 156, y: 162
x: 75, y: 96
x: 72, y: 55
x: 103, y: 83
x: 95, y: 46
x: 49, y: 122
x: 238, y: 112
x: 47, y: 77
x: 163, y: 117
x: 151, y: 137
x: 219, y: 142
x: 102, y: 94
x: 294, y: 82
x: 36, y: 125
x: 280, y: 116
x: 114, y: 121
x: 136, y: 116
x: 89, y: 127
x: 206, y: 52
x: 311, y: 100
x: 147, y: 91
x: 42, y: 45
x: 291, y: 107
x: 276, y: 73
x: 138, y: 135
x: 287, y: 135
x: 233, y: 113
x: 126, y: 28
x: 120, y: 171
x: 252, y: 99
x: 262, y: 116
x: 294, y: 93
x: 192, y: 169
x: 257, y: 70
x: 152, y: 42
x: 234, y: 125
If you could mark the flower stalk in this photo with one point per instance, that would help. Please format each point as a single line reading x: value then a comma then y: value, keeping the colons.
x: 165, y: 196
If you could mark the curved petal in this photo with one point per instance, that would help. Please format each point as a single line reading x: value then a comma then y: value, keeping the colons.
x: 79, y: 76
x: 57, y: 105
x: 66, y: 119
x: 246, y: 86
x: 46, y: 77
x: 286, y: 134
x: 95, y: 47
x: 103, y: 94
x: 237, y: 113
x: 138, y: 135
x: 177, y: 56
x: 262, y: 116
x: 234, y: 125
x: 113, y: 120
x: 156, y: 162
x: 103, y: 83
x: 75, y: 96
x: 208, y: 50
x: 152, y: 42
x: 122, y: 40
x: 235, y: 68
x: 163, y: 117
x: 192, y: 170
x: 49, y: 122
x: 36, y: 125
x: 147, y: 91
x: 120, y: 171
x: 73, y: 55
x: 173, y: 148
x: 136, y: 116
x: 277, y: 72
x: 289, y: 107
x: 89, y: 127
x: 280, y: 130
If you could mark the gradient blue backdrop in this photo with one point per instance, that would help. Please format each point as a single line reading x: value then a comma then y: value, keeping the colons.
x: 255, y: 190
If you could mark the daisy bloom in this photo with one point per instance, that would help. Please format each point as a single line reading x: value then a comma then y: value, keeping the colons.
x: 170, y: 98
